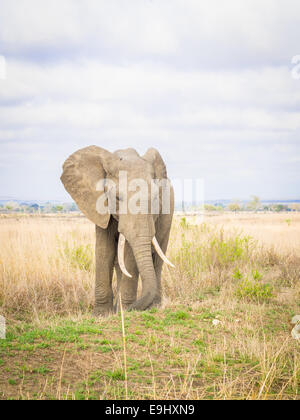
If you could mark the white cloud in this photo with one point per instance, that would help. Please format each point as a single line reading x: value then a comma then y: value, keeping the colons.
x: 90, y: 94
x: 232, y: 33
x: 208, y: 83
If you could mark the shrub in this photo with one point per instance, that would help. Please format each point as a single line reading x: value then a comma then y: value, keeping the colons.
x: 253, y: 288
x: 237, y: 275
x: 216, y: 251
x: 225, y: 251
x: 80, y: 256
x: 183, y: 223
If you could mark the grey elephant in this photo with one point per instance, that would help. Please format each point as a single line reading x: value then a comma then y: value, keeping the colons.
x: 132, y: 243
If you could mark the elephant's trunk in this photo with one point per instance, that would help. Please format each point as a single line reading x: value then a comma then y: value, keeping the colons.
x: 143, y: 256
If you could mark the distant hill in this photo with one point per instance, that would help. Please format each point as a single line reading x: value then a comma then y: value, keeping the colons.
x: 178, y: 205
x: 5, y: 200
x: 225, y: 202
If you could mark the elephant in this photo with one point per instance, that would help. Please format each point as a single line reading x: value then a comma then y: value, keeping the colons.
x: 133, y: 243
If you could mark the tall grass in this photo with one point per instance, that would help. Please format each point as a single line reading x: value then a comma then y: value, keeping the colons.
x: 47, y: 264
x: 235, y: 269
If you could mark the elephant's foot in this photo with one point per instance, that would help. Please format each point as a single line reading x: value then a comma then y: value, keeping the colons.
x: 127, y: 301
x: 156, y: 302
x: 103, y: 309
x: 125, y: 306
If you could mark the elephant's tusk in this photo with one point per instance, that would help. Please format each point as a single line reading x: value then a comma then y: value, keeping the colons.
x: 121, y: 250
x: 160, y: 253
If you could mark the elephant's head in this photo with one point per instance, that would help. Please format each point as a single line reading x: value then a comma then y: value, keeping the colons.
x: 93, y: 177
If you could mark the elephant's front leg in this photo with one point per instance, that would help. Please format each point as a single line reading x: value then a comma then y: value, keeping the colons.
x: 105, y: 255
x: 127, y: 286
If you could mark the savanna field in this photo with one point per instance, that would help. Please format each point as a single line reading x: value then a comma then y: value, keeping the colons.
x: 223, y: 331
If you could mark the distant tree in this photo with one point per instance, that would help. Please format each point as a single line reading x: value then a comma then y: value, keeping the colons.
x: 234, y: 206
x: 219, y: 207
x: 11, y: 205
x: 267, y: 208
x: 24, y: 207
x: 295, y: 206
x: 73, y: 207
x: 280, y: 207
x: 59, y: 208
x: 35, y: 207
x: 47, y: 208
x: 209, y: 207
x: 255, y: 203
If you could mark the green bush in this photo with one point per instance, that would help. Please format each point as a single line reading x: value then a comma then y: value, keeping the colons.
x: 79, y: 256
x: 225, y: 251
x: 184, y: 223
x: 253, y: 288
x: 237, y: 275
x: 217, y: 251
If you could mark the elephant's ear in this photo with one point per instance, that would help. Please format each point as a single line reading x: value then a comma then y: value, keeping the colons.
x: 82, y: 172
x: 154, y: 157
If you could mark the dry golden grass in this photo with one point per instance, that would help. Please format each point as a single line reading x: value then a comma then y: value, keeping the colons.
x: 55, y: 349
x: 280, y: 231
x: 34, y: 275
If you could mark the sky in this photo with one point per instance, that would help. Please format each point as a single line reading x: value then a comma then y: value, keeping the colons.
x: 213, y: 85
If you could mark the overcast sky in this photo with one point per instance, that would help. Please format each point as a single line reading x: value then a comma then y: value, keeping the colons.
x: 209, y: 83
